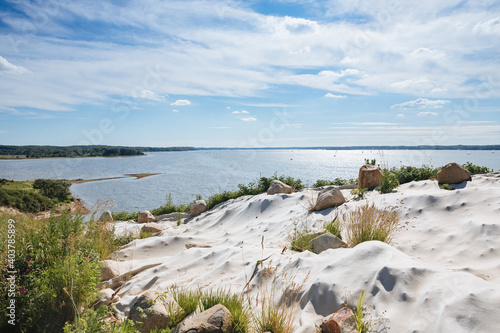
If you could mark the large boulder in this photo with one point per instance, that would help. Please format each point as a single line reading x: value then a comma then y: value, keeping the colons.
x: 152, y: 312
x: 279, y: 187
x: 151, y: 227
x: 452, y: 173
x: 325, y: 242
x: 106, y: 217
x: 145, y: 217
x: 109, y: 270
x: 217, y: 319
x: 370, y: 176
x: 329, y: 198
x: 341, y: 321
x: 198, y: 207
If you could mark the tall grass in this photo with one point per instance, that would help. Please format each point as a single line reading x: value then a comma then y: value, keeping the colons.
x: 57, y: 268
x: 367, y: 222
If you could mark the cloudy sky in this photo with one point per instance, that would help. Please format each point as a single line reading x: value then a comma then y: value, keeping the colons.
x: 234, y: 73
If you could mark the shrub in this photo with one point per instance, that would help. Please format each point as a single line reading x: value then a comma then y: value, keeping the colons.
x: 299, y: 239
x: 388, y: 182
x: 25, y: 201
x: 53, y: 188
x: 124, y: 216
x: 359, y: 192
x: 169, y: 207
x: 336, y: 181
x: 472, y: 168
x: 334, y: 227
x: 367, y: 222
x: 95, y: 321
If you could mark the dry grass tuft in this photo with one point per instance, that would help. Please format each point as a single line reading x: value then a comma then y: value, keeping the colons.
x: 367, y: 222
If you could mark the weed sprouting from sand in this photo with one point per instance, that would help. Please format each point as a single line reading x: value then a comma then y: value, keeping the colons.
x: 188, y: 301
x: 233, y: 302
x: 299, y: 239
x: 334, y: 227
x: 145, y: 234
x: 362, y: 325
x: 367, y: 222
x: 359, y: 193
x: 446, y: 187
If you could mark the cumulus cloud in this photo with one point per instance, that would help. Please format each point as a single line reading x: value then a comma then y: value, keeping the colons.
x: 421, y: 103
x: 8, y: 68
x: 181, y: 102
x: 242, y: 111
x: 330, y: 95
x: 248, y: 119
x: 175, y: 110
x: 148, y: 94
x: 425, y: 114
x: 400, y: 115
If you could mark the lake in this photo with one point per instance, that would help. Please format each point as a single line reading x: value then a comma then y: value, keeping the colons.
x: 184, y: 174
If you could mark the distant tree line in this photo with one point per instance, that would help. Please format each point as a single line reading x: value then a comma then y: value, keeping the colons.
x: 81, y: 151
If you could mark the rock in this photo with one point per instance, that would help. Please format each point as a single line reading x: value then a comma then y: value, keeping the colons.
x: 145, y: 217
x: 109, y: 270
x: 325, y: 242
x: 370, y: 176
x: 341, y: 321
x: 198, y: 207
x: 106, y: 217
x: 105, y: 297
x: 217, y: 319
x: 279, y: 187
x: 452, y: 173
x: 151, y: 227
x: 329, y: 198
x: 156, y: 311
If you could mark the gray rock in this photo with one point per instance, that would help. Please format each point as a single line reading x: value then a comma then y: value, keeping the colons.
x: 145, y: 217
x: 156, y: 312
x: 329, y: 198
x: 217, y: 319
x: 109, y: 270
x: 198, y: 207
x: 277, y: 187
x: 369, y: 176
x: 325, y: 242
x: 106, y: 217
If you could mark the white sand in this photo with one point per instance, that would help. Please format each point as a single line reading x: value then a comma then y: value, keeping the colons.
x: 441, y: 275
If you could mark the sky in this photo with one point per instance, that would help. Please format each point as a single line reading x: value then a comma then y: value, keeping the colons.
x: 234, y: 73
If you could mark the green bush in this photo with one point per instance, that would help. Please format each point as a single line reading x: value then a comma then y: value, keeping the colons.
x: 53, y: 188
x: 169, y: 207
x: 389, y: 182
x: 406, y: 174
x: 94, y: 321
x: 334, y: 227
x: 476, y: 168
x: 25, y: 201
x: 336, y: 181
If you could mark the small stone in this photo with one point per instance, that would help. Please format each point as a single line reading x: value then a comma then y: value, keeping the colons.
x: 151, y: 227
x: 328, y: 199
x: 156, y: 312
x: 341, y: 321
x: 217, y: 319
x: 325, y: 242
x: 106, y: 217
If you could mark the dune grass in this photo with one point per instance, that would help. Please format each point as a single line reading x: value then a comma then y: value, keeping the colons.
x: 367, y: 222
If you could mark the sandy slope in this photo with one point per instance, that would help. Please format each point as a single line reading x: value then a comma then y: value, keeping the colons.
x: 442, y: 275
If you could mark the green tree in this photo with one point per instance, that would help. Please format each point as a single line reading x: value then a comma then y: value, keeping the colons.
x: 53, y: 188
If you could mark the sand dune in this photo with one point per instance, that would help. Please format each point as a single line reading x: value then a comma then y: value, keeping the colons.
x: 441, y: 275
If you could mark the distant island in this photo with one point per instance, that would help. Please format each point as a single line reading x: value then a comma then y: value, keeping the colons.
x: 32, y: 151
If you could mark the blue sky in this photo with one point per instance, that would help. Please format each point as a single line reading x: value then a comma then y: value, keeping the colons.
x: 228, y: 73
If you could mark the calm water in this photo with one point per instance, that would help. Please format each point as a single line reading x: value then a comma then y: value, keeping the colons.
x: 184, y: 174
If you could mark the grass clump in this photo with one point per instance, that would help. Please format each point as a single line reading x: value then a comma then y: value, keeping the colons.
x: 362, y: 325
x: 359, y: 192
x: 367, y: 222
x: 300, y: 238
x: 233, y: 302
x: 95, y: 321
x: 446, y: 187
x: 334, y: 227
x: 336, y: 181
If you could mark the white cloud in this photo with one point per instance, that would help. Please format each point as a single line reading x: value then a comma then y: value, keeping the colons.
x: 8, y: 68
x: 236, y: 112
x: 147, y: 94
x: 175, y: 110
x: 244, y: 111
x: 330, y: 95
x: 181, y: 102
x: 427, y: 113
x: 400, y: 115
x: 421, y: 103
x: 248, y: 119
x: 270, y: 105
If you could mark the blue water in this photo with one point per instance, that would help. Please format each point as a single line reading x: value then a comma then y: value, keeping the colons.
x: 184, y: 174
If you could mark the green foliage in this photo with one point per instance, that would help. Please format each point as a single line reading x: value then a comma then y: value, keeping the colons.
x: 57, y: 268
x: 169, y: 207
x: 145, y: 234
x: 406, y: 174
x: 446, y: 187
x: 187, y: 299
x: 359, y: 192
x: 362, y: 325
x: 124, y: 216
x: 334, y: 227
x: 370, y: 162
x: 94, y: 321
x: 473, y: 168
x: 53, y: 188
x: 233, y: 302
x: 336, y: 181
x: 300, y: 238
x: 25, y: 201
x: 389, y: 182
